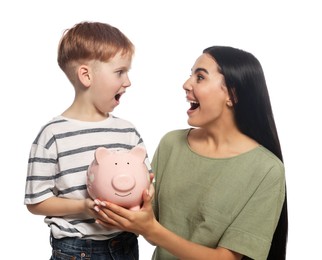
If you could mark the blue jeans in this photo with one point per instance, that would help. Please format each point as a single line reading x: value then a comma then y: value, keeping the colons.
x: 122, y: 247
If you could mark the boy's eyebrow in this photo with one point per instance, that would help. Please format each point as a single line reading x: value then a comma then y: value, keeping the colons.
x: 200, y: 69
x: 123, y: 68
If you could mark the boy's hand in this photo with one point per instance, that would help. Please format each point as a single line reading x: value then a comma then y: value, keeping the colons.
x: 91, y: 208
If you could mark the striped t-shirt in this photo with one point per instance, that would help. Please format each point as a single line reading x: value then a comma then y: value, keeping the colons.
x: 58, y: 162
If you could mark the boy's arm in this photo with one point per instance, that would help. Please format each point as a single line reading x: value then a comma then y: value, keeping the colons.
x: 60, y: 207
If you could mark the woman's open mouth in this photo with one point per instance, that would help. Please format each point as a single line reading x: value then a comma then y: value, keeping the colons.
x: 194, y: 105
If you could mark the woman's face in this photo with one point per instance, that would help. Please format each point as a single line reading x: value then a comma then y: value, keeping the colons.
x: 207, y: 94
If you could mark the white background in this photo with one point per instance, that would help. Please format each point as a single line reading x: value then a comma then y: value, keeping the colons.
x: 169, y: 36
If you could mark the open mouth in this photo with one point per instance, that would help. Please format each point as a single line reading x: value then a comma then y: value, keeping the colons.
x: 194, y: 105
x: 117, y: 97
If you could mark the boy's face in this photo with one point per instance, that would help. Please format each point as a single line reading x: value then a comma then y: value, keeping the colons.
x: 110, y: 79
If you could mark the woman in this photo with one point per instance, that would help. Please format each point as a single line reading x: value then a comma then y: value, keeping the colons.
x: 220, y: 185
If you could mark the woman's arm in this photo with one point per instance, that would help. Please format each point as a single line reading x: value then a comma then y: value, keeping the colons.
x: 144, y: 222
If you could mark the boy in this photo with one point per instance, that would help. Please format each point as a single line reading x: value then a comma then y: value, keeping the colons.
x: 96, y: 58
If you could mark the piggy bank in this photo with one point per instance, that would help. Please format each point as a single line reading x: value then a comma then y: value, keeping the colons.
x: 118, y: 176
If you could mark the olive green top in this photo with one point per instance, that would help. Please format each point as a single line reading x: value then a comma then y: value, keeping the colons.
x: 230, y: 202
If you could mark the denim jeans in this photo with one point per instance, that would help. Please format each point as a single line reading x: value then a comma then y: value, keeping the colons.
x: 122, y: 247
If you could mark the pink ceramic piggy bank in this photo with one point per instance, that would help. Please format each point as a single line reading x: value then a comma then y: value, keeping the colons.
x: 118, y: 176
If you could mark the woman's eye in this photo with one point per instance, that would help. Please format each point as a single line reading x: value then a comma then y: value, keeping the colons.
x: 199, y: 78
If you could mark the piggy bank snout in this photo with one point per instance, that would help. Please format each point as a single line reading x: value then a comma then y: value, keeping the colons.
x: 123, y: 182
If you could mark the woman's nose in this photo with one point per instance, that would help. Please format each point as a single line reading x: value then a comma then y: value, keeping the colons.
x: 187, y: 86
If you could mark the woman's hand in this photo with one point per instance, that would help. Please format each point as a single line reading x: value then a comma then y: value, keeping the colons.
x: 139, y: 222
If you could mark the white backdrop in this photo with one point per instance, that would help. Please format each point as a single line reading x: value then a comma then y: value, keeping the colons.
x: 169, y: 35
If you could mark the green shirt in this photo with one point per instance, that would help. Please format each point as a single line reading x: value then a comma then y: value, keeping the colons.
x: 230, y: 202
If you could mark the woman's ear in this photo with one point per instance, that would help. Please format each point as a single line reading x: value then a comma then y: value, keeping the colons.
x: 229, y: 103
x: 84, y: 75
x: 232, y: 99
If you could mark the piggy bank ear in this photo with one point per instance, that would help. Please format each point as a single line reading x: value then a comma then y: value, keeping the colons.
x: 100, y: 153
x: 139, y: 151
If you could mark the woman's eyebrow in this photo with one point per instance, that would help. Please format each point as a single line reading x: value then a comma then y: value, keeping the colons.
x: 200, y: 69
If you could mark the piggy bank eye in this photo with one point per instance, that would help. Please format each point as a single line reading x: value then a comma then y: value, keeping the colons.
x: 115, y: 163
x: 128, y: 163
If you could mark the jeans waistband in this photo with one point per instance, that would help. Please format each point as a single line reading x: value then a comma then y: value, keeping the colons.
x: 111, y: 243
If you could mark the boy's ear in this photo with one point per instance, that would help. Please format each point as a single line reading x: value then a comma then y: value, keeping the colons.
x: 84, y: 76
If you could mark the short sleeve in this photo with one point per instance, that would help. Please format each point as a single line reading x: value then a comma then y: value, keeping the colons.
x: 40, y: 182
x: 252, y: 230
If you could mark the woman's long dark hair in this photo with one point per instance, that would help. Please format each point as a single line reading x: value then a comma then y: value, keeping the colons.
x: 247, y: 88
